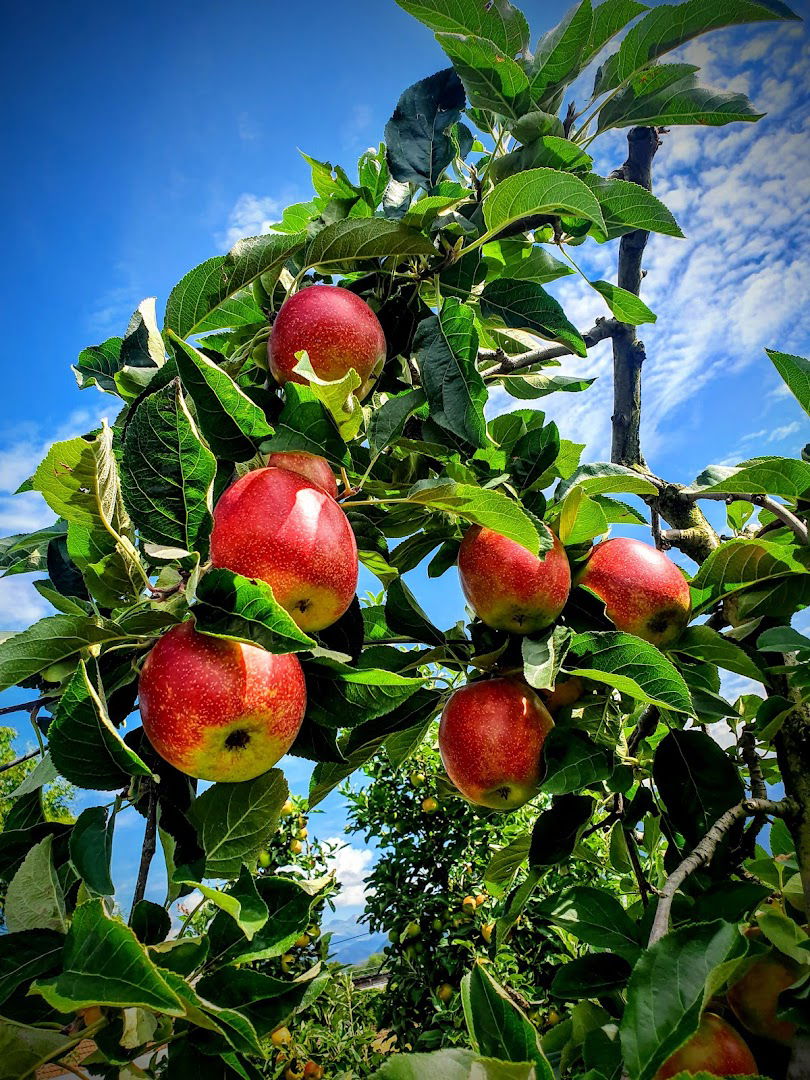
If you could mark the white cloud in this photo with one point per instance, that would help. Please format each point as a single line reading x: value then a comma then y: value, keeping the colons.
x: 251, y: 215
x: 351, y: 865
x: 20, y: 603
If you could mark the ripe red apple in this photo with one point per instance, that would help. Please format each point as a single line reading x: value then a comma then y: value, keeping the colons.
x: 274, y: 525
x: 507, y: 586
x: 643, y: 591
x: 314, y: 468
x: 491, y: 739
x: 715, y: 1048
x: 754, y: 997
x: 218, y: 709
x: 336, y: 329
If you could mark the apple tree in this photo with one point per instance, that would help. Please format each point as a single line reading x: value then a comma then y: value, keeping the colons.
x: 203, y: 564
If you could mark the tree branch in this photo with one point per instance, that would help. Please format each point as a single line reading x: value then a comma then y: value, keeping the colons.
x: 20, y: 760
x: 635, y: 862
x: 148, y: 849
x: 704, y: 851
x: 24, y: 706
x: 647, y: 723
x: 786, y: 516
x: 748, y: 749
x: 600, y: 331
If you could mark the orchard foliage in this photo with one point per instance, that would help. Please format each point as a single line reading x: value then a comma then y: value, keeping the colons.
x: 449, y: 231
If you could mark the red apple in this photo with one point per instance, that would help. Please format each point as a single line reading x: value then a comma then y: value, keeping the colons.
x: 715, y: 1048
x: 336, y: 329
x: 218, y: 709
x: 754, y: 997
x: 643, y: 591
x: 507, y: 586
x: 314, y: 468
x: 274, y: 525
x: 491, y: 739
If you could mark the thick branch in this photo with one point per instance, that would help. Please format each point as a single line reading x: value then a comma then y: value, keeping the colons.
x: 24, y: 706
x: 148, y: 849
x: 703, y: 853
x: 602, y: 329
x: 792, y: 744
x: 786, y: 516
x: 748, y: 749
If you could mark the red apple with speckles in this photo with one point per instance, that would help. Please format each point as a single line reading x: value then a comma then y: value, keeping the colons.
x: 336, y: 329
x: 643, y: 591
x: 715, y: 1048
x: 754, y: 998
x: 218, y: 709
x: 491, y: 739
x: 275, y: 525
x: 314, y: 468
x: 509, y: 588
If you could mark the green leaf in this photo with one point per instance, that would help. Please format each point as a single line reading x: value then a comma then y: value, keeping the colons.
x: 493, y: 80
x: 353, y: 240
x: 795, y: 370
x: 595, y: 917
x: 25, y: 553
x: 34, y: 899
x: 557, y: 830
x: 480, y: 506
x: 602, y: 478
x: 573, y: 761
x: 609, y: 18
x: 234, y: 821
x: 166, y: 473
x: 98, y: 364
x: 519, y: 260
x: 336, y: 395
x: 43, y: 773
x: 418, y: 135
x: 668, y: 989
x: 78, y: 481
x: 500, y: 22
x: 452, y: 1064
x: 340, y: 696
x: 403, y: 615
x: 50, y: 641
x: 632, y: 667
x: 540, y: 191
x: 626, y: 306
x: 590, y: 976
x: 667, y: 27
x: 91, y: 849
x: 704, y: 643
x: 739, y: 563
x: 627, y: 206
x: 388, y: 421
x: 524, y: 305
x: 288, y: 906
x: 505, y: 863
x: 446, y: 347
x: 559, y: 53
x: 24, y: 1048
x: 681, y: 103
x: 497, y: 1027
x: 697, y: 782
x: 543, y: 656
x: 231, y: 423
x: 27, y: 955
x: 536, y: 385
x: 105, y: 964
x: 242, y: 902
x: 305, y: 425
x: 150, y: 923
x: 84, y: 746
x: 231, y: 606
x: 786, y: 477
x: 783, y: 639
x: 193, y: 302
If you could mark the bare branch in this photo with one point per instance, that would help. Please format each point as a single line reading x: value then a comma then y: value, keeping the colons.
x: 24, y: 706
x: 149, y: 845
x: 20, y: 760
x: 748, y: 749
x: 600, y: 331
x: 704, y: 851
x: 786, y: 516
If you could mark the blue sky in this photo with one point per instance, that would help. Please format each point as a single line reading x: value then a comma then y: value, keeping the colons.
x: 142, y: 144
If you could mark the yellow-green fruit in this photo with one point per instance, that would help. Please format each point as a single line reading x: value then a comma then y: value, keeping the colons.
x: 281, y: 1037
x: 553, y: 1017
x: 412, y: 930
x: 417, y: 778
x: 287, y: 962
x: 480, y: 899
x: 314, y: 931
x: 393, y: 937
x: 302, y: 941
x: 445, y: 992
x: 430, y: 805
x: 264, y: 859
x: 469, y: 904
x: 287, y: 808
x: 438, y: 924
x: 487, y: 930
x: 296, y: 847
x: 302, y: 834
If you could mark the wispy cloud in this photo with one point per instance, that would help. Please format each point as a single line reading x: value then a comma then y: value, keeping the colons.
x: 251, y: 215
x: 351, y: 865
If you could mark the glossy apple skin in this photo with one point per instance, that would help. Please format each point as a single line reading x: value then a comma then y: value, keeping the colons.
x: 754, y: 998
x: 314, y: 468
x: 715, y: 1048
x: 218, y: 709
x: 491, y: 739
x: 643, y: 591
x: 336, y: 329
x: 509, y: 588
x: 275, y: 525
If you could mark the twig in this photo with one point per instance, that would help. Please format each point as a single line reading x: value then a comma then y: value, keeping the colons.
x: 787, y: 517
x: 632, y: 850
x: 24, y: 706
x: 20, y: 760
x: 600, y: 331
x: 647, y: 723
x: 148, y: 849
x: 704, y: 851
